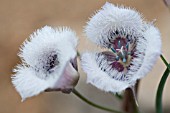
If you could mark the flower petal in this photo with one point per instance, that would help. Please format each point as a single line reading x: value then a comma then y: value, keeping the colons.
x: 113, y: 21
x: 152, y: 52
x: 68, y: 80
x: 49, y: 49
x: 99, y: 78
x: 26, y: 83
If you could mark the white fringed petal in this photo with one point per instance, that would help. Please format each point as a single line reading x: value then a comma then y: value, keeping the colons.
x: 112, y: 18
x: 27, y: 84
x: 46, y: 40
x: 152, y: 52
x: 99, y: 78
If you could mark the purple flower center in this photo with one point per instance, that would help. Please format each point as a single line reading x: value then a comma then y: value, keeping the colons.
x: 120, y: 58
x: 123, y: 50
x: 52, y: 61
x: 47, y: 62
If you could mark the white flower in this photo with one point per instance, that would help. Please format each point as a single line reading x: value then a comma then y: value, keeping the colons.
x: 134, y: 47
x: 48, y: 62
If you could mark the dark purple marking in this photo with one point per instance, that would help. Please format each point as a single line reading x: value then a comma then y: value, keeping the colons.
x: 109, y: 55
x: 118, y: 66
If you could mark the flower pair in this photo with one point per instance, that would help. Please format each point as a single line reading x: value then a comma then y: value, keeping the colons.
x: 49, y: 57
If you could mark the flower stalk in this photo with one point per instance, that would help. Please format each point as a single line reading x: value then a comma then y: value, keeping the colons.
x: 165, y: 62
x: 93, y: 104
x: 161, y: 85
x: 160, y: 91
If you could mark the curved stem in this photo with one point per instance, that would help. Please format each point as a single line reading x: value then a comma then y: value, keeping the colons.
x: 93, y: 104
x: 160, y: 91
x: 165, y: 62
x: 161, y: 85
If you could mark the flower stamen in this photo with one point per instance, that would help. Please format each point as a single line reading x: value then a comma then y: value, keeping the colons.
x: 119, y: 44
x: 114, y: 51
x: 122, y: 51
x: 127, y: 45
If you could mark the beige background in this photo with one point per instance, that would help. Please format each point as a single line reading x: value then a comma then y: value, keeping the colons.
x: 19, y: 18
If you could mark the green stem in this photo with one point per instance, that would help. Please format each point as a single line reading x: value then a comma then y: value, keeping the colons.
x: 119, y: 96
x: 160, y: 91
x: 165, y: 62
x: 93, y: 104
x: 78, y: 54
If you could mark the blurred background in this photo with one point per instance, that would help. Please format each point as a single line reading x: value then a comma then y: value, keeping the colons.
x: 19, y: 18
